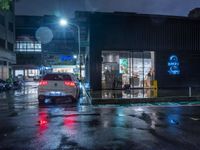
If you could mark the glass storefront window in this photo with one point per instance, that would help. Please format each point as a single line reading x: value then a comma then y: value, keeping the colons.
x: 122, y: 69
x: 137, y: 77
x: 19, y: 72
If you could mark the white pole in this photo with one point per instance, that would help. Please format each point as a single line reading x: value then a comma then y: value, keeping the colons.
x: 79, y: 50
x: 190, y: 91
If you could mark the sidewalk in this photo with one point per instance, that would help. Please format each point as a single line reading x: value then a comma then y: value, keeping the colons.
x: 143, y: 96
x: 31, y: 83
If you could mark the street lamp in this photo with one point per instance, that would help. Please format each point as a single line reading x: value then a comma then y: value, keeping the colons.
x: 74, y: 56
x: 63, y: 23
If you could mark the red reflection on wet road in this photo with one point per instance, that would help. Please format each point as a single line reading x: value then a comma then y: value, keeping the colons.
x: 69, y: 122
x: 43, y: 122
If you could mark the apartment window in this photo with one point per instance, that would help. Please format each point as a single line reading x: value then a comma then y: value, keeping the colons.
x: 2, y: 20
x: 11, y: 26
x: 22, y: 46
x: 28, y: 46
x: 10, y: 46
x: 2, y: 43
x: 37, y: 47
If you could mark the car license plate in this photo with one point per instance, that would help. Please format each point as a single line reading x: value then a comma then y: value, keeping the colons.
x: 55, y: 93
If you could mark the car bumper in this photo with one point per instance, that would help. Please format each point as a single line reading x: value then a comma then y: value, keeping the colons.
x: 57, y: 93
x: 68, y: 98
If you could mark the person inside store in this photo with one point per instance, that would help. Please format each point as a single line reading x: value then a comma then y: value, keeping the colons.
x: 148, y: 78
x: 107, y: 75
x: 135, y: 80
x: 114, y: 75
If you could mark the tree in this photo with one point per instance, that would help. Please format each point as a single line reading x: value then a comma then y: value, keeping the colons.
x: 5, y: 4
x: 194, y: 13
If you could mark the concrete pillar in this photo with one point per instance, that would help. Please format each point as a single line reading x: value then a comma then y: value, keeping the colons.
x: 1, y: 71
x: 24, y: 77
x: 5, y: 70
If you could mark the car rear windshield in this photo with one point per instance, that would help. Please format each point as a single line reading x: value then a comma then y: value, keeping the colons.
x: 58, y: 77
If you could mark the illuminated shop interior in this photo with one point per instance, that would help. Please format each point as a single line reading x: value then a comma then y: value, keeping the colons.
x: 125, y: 69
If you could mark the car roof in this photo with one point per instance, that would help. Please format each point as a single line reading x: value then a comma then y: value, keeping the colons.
x: 58, y: 73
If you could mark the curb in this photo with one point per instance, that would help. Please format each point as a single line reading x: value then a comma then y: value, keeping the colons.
x: 96, y: 101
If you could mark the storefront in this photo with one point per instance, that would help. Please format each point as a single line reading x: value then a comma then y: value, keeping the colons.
x: 68, y: 69
x: 27, y: 73
x: 127, y: 69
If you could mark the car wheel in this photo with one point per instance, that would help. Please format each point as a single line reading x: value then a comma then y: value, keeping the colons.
x: 78, y: 94
x: 41, y: 101
x: 73, y: 99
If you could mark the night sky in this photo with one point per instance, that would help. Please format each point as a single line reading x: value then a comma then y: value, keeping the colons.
x: 67, y: 7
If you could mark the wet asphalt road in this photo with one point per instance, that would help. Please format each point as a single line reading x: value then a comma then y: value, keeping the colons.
x: 25, y: 125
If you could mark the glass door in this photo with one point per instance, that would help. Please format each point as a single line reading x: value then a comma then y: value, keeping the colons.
x: 148, y: 69
x: 138, y: 71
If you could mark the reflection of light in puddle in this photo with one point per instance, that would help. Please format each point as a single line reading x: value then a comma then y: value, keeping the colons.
x: 153, y: 120
x: 25, y: 90
x: 3, y: 95
x: 84, y: 109
x: 69, y: 123
x: 105, y: 124
x: 43, y: 122
x: 195, y: 119
x: 138, y: 109
x: 134, y: 93
x: 153, y: 123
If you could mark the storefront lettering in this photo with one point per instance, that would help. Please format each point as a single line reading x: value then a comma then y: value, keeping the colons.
x: 66, y: 58
x: 173, y: 64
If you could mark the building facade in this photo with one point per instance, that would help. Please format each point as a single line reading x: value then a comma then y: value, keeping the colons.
x: 82, y: 20
x: 129, y: 49
x: 7, y: 40
x: 28, y: 49
x: 61, y: 53
x: 42, y: 46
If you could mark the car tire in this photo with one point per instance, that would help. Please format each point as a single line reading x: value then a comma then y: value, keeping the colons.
x: 78, y: 94
x: 73, y: 99
x: 41, y: 102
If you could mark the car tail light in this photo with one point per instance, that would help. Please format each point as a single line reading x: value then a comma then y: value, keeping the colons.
x: 69, y: 83
x: 43, y: 83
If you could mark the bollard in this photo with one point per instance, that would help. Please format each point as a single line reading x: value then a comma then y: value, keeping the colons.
x: 190, y: 91
x: 155, y: 84
x: 155, y: 88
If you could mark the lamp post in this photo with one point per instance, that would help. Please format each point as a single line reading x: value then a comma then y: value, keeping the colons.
x: 64, y: 22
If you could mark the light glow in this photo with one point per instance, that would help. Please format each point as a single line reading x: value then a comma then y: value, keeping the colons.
x: 63, y: 22
x: 74, y: 56
x: 69, y: 83
x: 173, y: 65
x: 43, y: 83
